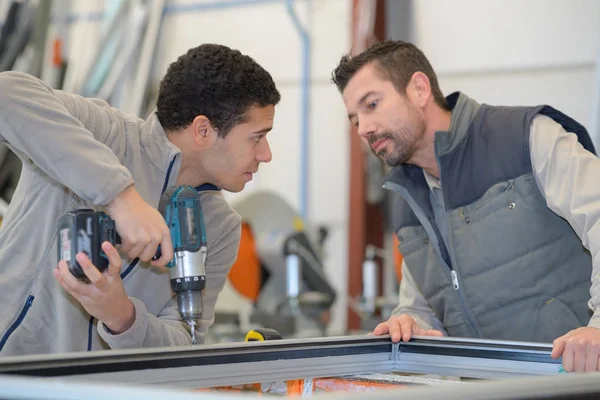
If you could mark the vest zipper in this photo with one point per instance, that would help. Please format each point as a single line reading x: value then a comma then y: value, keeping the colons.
x: 455, y: 284
x: 453, y: 272
x: 455, y: 281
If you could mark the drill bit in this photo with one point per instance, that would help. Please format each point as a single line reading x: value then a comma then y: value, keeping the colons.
x: 192, y: 325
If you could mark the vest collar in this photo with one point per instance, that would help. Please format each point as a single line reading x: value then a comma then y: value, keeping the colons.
x: 463, y: 112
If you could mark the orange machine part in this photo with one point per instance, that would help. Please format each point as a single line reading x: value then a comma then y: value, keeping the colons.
x: 245, y: 274
x: 397, y: 259
x: 57, y: 58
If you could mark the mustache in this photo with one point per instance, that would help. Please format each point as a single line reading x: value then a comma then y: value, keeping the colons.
x: 384, y: 135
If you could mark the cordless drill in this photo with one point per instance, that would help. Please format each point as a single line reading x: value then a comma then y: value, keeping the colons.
x: 181, y: 208
x: 85, y: 230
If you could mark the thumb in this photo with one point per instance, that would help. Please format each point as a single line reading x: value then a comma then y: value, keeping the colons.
x: 558, y: 347
x: 114, y: 259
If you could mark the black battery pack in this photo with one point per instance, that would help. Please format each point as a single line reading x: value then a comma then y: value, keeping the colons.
x: 84, y: 231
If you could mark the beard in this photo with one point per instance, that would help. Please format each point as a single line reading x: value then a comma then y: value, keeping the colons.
x: 403, y: 141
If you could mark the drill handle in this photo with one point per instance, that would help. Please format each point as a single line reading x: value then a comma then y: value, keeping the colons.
x: 108, y: 233
x: 159, y: 255
x: 108, y: 230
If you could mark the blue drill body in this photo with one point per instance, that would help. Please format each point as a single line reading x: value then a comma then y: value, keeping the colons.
x: 181, y: 208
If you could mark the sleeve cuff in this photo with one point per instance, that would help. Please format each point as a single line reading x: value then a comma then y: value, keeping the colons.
x: 422, y: 323
x: 114, y: 189
x: 595, y: 320
x: 134, y: 336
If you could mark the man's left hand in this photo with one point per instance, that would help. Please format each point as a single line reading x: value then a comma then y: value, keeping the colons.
x: 104, y: 297
x: 580, y: 349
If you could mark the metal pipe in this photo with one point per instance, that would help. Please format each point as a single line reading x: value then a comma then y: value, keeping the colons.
x: 293, y: 276
x: 304, y: 108
x: 214, y: 5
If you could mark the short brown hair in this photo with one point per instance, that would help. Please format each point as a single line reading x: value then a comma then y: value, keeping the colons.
x: 396, y: 61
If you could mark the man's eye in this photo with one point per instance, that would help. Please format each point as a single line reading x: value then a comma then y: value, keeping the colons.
x: 256, y: 138
x: 372, y: 105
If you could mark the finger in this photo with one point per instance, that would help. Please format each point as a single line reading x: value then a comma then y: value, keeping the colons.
x: 433, y: 332
x: 568, y: 356
x: 395, y: 329
x: 591, y: 360
x: 149, y: 251
x: 125, y: 246
x: 75, y: 287
x: 135, y: 251
x: 89, y: 269
x: 59, y: 279
x: 381, y: 329
x: 166, y: 248
x: 407, y: 324
x: 114, y: 258
x: 558, y: 347
x: 580, y: 355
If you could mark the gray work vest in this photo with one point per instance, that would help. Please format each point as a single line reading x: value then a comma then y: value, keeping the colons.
x: 509, y: 268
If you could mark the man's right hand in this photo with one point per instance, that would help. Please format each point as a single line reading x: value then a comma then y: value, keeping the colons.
x: 141, y: 227
x: 403, y: 326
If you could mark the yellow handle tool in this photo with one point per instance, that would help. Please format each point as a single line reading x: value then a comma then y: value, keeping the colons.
x: 262, y: 334
x: 294, y: 387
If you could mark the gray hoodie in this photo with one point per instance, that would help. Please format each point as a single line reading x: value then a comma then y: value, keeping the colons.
x: 82, y: 153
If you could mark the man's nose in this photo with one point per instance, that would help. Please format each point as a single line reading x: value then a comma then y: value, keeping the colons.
x: 365, y: 129
x: 264, y: 154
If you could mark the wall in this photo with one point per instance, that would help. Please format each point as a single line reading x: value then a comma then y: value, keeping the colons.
x: 515, y: 52
x: 264, y: 30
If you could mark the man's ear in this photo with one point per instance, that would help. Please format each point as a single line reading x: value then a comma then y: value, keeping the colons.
x: 419, y: 88
x: 203, y: 132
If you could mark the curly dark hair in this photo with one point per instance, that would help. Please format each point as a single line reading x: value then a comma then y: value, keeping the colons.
x: 395, y: 61
x: 215, y: 81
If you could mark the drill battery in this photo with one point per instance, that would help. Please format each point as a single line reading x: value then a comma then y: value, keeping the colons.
x: 84, y: 231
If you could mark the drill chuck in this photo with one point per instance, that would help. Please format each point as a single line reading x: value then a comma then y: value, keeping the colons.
x: 190, y: 305
x: 188, y: 280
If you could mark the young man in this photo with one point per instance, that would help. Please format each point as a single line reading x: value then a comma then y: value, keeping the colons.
x: 214, y: 109
x: 497, y: 211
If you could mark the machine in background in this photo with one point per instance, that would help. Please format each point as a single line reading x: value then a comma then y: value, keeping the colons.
x: 370, y: 306
x: 280, y: 270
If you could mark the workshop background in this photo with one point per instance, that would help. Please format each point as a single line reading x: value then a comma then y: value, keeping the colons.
x: 510, y: 52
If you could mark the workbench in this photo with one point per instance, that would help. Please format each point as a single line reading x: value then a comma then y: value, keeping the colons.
x: 509, y: 370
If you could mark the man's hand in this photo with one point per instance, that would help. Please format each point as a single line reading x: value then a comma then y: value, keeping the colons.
x: 580, y: 349
x: 141, y: 227
x: 104, y: 297
x: 403, y: 326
